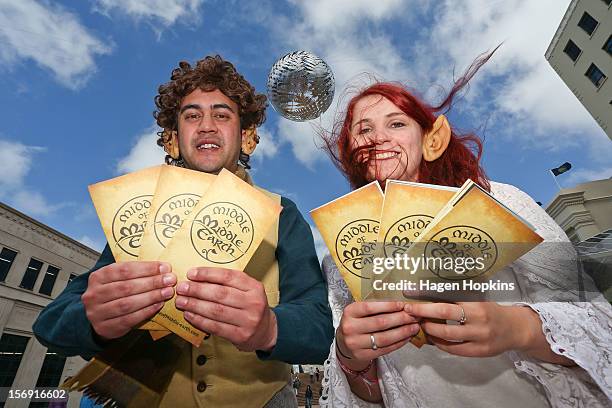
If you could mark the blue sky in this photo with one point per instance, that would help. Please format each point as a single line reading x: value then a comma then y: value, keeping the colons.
x: 79, y: 78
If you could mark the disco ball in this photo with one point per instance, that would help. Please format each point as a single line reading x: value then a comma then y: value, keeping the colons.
x: 300, y: 86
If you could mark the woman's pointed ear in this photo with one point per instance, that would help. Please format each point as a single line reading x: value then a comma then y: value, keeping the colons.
x: 436, y: 141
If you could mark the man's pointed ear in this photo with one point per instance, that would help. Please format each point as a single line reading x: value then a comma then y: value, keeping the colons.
x: 250, y: 139
x: 436, y: 141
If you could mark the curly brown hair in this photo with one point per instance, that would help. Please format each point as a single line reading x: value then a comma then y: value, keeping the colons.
x: 209, y: 74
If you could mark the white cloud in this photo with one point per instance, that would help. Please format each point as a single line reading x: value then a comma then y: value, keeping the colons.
x: 529, y: 96
x: 576, y: 176
x: 267, y: 147
x: 165, y: 12
x: 334, y: 31
x: 144, y: 153
x: 50, y: 36
x: 33, y: 203
x: 517, y: 89
x: 16, y: 160
x: 320, y: 246
x: 301, y: 137
x: 95, y: 244
x: 341, y: 15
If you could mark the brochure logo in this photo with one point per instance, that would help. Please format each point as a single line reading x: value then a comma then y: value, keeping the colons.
x: 129, y: 223
x: 222, y: 232
x: 171, y: 215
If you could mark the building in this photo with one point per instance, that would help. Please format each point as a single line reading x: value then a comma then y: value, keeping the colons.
x: 36, y: 264
x: 581, y: 53
x: 584, y: 212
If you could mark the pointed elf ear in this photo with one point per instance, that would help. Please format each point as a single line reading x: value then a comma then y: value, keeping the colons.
x: 250, y: 139
x: 171, y: 145
x: 436, y: 141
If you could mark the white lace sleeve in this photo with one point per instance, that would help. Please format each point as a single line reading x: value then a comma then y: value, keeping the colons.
x: 336, y: 389
x: 581, y: 331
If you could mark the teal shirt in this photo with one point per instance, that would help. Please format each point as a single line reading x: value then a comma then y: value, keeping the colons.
x: 305, y: 330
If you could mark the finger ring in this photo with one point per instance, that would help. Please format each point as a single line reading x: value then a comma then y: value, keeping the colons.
x: 463, y: 319
x: 373, y: 342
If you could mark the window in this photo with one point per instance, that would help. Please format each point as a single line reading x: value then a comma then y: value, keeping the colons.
x: 51, y: 370
x: 50, y: 375
x: 608, y: 45
x: 572, y: 50
x: 72, y: 276
x: 29, y: 278
x: 12, y: 348
x: 6, y: 260
x: 49, y: 280
x: 587, y: 23
x: 595, y: 75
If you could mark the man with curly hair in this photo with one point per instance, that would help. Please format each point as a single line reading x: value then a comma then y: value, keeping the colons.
x: 273, y: 314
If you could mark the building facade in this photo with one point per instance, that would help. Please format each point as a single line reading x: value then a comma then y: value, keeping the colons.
x: 581, y: 53
x: 584, y: 210
x: 585, y: 214
x: 36, y: 264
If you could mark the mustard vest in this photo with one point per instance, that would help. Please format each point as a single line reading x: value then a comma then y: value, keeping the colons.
x: 217, y: 374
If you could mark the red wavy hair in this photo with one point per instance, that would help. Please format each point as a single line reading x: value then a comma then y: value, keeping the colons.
x: 460, y: 161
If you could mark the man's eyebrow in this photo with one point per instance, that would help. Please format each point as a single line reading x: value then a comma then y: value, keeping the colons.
x: 222, y: 106
x: 213, y: 107
x: 190, y: 106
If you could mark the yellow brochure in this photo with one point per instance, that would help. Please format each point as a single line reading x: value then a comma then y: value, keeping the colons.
x: 349, y: 225
x: 407, y: 209
x: 178, y: 192
x: 472, y: 237
x: 475, y: 224
x: 223, y: 230
x: 123, y: 204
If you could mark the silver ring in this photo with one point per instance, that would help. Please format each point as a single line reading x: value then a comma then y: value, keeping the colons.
x: 463, y: 319
x: 373, y: 342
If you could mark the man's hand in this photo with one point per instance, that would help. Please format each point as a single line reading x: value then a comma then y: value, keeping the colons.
x: 122, y: 295
x: 230, y: 304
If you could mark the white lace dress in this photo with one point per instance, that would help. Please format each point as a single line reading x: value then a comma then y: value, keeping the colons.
x: 428, y: 377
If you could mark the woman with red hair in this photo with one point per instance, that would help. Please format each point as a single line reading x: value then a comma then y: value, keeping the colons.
x: 546, y: 350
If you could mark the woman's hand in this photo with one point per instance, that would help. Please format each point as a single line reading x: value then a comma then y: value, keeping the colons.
x: 389, y: 324
x: 488, y: 329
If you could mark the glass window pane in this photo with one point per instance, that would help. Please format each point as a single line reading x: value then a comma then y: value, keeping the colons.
x: 51, y: 370
x: 12, y: 348
x: 6, y: 260
x: 587, y: 23
x: 595, y: 75
x: 46, y: 287
x: 31, y: 273
x: 608, y: 45
x: 50, y: 375
x: 572, y: 50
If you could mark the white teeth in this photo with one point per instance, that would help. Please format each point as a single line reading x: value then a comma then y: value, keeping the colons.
x: 208, y: 146
x: 383, y: 155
